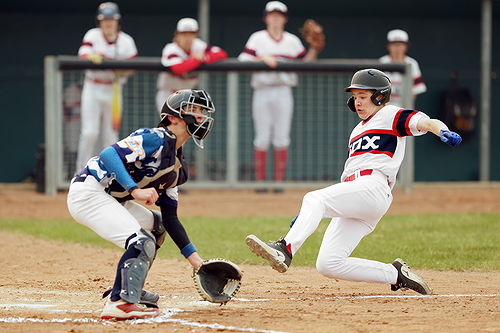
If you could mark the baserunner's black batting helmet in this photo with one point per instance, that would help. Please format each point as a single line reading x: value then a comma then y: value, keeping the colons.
x: 108, y: 10
x: 370, y: 79
x: 180, y: 104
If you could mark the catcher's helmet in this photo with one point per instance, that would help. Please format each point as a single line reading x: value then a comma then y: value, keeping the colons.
x: 108, y: 10
x: 180, y: 104
x: 371, y: 79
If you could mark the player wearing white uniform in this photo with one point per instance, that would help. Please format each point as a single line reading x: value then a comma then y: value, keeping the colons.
x: 104, y: 42
x: 272, y: 102
x: 356, y: 204
x: 397, y: 46
x: 186, y: 53
x: 148, y: 165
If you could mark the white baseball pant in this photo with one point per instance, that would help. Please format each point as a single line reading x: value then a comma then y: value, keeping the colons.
x: 91, y: 206
x: 272, y: 111
x: 355, y: 208
x: 96, y: 119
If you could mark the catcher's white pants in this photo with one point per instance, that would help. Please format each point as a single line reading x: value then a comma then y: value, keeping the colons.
x: 91, y: 206
x: 272, y: 111
x: 355, y: 208
x: 96, y: 121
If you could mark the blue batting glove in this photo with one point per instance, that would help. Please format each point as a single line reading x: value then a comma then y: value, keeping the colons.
x: 450, y: 138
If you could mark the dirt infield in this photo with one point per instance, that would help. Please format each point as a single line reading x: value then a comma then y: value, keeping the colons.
x: 55, y: 287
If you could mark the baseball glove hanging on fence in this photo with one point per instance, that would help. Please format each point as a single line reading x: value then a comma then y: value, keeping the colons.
x: 313, y: 34
x: 217, y: 280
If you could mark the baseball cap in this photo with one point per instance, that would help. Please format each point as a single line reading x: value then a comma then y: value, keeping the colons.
x: 397, y: 35
x: 108, y: 10
x: 187, y: 25
x: 276, y: 6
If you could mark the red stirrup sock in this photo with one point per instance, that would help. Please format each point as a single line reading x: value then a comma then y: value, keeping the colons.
x: 260, y: 157
x: 280, y: 160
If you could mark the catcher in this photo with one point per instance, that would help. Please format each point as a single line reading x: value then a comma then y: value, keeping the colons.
x: 147, y: 166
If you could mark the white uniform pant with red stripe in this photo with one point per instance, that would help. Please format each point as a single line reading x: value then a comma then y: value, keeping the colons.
x: 355, y: 208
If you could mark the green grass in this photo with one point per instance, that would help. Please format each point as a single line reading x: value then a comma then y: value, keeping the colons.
x: 437, y: 241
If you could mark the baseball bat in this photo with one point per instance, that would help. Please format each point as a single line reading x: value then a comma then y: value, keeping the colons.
x: 115, y: 106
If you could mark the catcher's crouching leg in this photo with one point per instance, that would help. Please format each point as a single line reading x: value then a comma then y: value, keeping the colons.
x: 135, y: 270
x: 125, y: 300
x: 134, y: 266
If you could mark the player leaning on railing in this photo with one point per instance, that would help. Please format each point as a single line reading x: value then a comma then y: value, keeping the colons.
x: 356, y: 204
x: 101, y: 95
x: 148, y: 165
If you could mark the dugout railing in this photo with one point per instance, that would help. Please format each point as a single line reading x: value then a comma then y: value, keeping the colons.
x: 320, y: 130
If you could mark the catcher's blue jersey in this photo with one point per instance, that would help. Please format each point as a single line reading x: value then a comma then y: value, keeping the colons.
x: 150, y: 157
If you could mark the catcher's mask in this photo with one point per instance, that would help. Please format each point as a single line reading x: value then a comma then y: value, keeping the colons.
x: 374, y: 80
x: 181, y: 105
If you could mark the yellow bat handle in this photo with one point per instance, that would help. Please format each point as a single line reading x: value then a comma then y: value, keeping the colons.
x: 115, y: 106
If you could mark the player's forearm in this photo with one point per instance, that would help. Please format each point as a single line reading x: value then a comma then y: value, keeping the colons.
x: 311, y: 55
x: 431, y: 125
x: 176, y: 230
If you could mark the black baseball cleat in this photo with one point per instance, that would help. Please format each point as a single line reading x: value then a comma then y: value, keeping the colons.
x: 275, y: 252
x: 409, y: 280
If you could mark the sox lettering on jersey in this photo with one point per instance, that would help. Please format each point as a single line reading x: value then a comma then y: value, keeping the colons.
x: 374, y: 142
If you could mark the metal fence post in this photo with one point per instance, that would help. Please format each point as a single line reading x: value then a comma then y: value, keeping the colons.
x: 53, y: 124
x: 408, y: 164
x: 232, y: 129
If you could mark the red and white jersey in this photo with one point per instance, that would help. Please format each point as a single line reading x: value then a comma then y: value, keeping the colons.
x: 173, y: 54
x: 378, y: 143
x: 95, y: 42
x: 261, y: 43
x: 418, y: 86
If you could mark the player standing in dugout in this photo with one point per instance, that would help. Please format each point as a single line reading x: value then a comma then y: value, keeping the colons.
x: 102, y: 88
x: 183, y: 55
x: 272, y: 100
x: 356, y: 204
x: 397, y: 46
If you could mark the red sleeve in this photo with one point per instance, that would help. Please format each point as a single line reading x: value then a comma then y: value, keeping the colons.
x: 214, y: 54
x: 186, y: 66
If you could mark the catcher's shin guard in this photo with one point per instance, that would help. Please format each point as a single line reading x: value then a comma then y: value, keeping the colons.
x: 135, y: 269
x: 409, y: 280
x: 275, y: 252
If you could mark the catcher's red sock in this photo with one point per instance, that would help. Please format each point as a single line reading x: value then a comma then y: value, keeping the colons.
x: 260, y: 157
x: 280, y: 160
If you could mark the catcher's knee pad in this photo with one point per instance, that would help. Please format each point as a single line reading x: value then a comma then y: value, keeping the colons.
x: 135, y: 270
x: 158, y: 228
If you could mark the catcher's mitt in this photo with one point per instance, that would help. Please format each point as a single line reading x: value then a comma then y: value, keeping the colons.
x: 313, y: 34
x: 217, y: 280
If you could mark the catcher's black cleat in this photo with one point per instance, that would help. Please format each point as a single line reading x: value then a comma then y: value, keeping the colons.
x: 275, y: 252
x: 409, y: 280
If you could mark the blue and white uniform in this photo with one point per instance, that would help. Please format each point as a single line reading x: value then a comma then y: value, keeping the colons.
x: 99, y: 195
